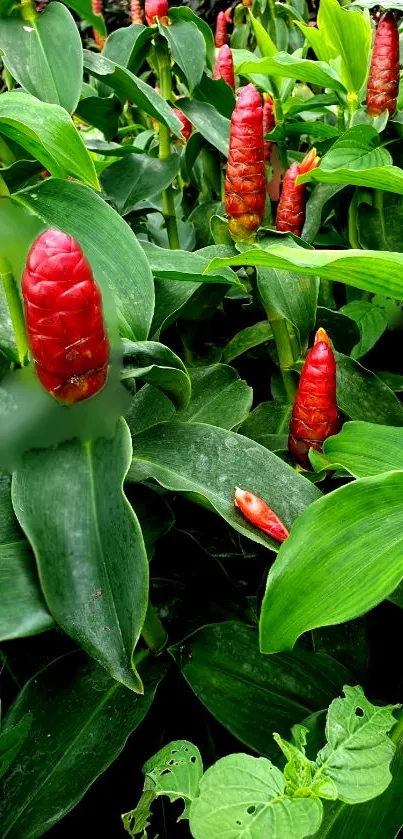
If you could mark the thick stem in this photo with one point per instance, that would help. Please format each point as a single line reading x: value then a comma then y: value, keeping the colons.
x: 165, y: 84
x: 284, y: 351
x: 153, y: 631
x: 15, y: 308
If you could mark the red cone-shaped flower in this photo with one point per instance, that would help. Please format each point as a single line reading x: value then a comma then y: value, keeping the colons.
x: 136, y: 12
x: 315, y: 416
x: 63, y: 313
x: 291, y: 208
x: 156, y: 9
x: 221, y: 34
x: 259, y: 513
x: 224, y: 66
x: 97, y: 10
x: 383, y: 80
x: 187, y: 126
x: 245, y: 182
x: 268, y: 124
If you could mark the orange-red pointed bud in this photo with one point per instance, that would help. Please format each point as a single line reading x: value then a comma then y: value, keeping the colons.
x: 245, y: 182
x: 156, y: 9
x: 259, y: 513
x: 291, y: 208
x: 224, y: 66
x: 187, y: 126
x: 268, y: 124
x: 221, y: 28
x: 383, y: 79
x: 315, y: 415
x: 136, y: 12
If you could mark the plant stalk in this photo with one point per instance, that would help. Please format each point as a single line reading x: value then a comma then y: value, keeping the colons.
x: 153, y: 631
x: 165, y: 84
x: 284, y: 351
x: 15, y: 308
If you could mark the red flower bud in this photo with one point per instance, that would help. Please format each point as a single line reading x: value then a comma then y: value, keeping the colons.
x: 315, y: 416
x: 224, y: 66
x: 268, y: 124
x: 221, y: 34
x: 291, y: 208
x: 136, y: 12
x: 383, y: 79
x: 63, y: 313
x: 187, y: 126
x: 259, y: 513
x: 156, y: 9
x: 245, y: 182
x: 97, y: 10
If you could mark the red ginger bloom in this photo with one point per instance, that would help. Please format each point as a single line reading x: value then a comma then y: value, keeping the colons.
x: 221, y: 34
x: 97, y: 10
x: 156, y: 9
x: 187, y: 126
x: 259, y: 513
x: 136, y: 12
x: 268, y: 124
x: 245, y: 182
x: 63, y: 313
x: 224, y: 66
x: 383, y: 79
x: 291, y: 208
x: 315, y: 416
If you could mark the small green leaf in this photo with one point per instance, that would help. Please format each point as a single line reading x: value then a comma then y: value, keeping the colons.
x: 188, y: 49
x: 268, y: 424
x: 210, y: 123
x: 128, y: 46
x: 137, y: 177
x: 362, y: 396
x: 246, y: 339
x: 176, y: 771
x: 292, y: 67
x: 372, y: 322
x: 292, y: 296
x: 160, y: 367
x: 182, y: 265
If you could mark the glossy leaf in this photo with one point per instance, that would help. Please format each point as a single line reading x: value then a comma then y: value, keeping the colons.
x: 372, y: 322
x: 268, y: 424
x: 342, y: 330
x: 81, y: 213
x: 252, y: 694
x: 380, y: 225
x: 246, y: 339
x: 182, y: 265
x: 102, y: 113
x: 84, y: 10
x: 365, y: 449
x: 81, y: 719
x: 283, y: 64
x: 47, y: 132
x: 171, y: 297
x: 212, y: 125
x: 342, y: 558
x: 188, y: 49
x: 94, y: 575
x: 316, y: 209
x: 159, y: 366
x: 22, y: 607
x: 32, y: 54
x: 128, y: 46
x: 137, y: 177
x: 185, y: 13
x: 210, y: 461
x: 362, y: 396
x: 292, y: 296
x: 11, y: 741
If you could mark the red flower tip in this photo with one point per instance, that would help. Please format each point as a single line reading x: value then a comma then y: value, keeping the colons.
x: 309, y: 162
x: 156, y: 9
x: 224, y: 66
x: 255, y: 510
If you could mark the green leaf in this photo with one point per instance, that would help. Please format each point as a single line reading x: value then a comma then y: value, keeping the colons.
x: 246, y: 339
x: 342, y: 558
x: 266, y: 46
x: 128, y: 46
x: 188, y: 49
x: 90, y: 553
x: 136, y: 177
x: 32, y: 54
x: 217, y: 93
x: 171, y: 298
x: 362, y: 396
x: 372, y: 322
x: 185, y: 13
x: 268, y: 424
x: 381, y: 225
x: 292, y: 67
x: 11, y: 741
x: 316, y: 208
x: 100, y: 113
x: 48, y: 133
x: 358, y: 753
x: 81, y: 719
x: 182, y: 265
x: 159, y: 366
x: 252, y: 694
x: 343, y: 331
x: 124, y: 269
x: 22, y: 607
x: 128, y: 86
x: 210, y: 123
x: 84, y: 10
x: 365, y: 449
x: 262, y: 808
x: 294, y: 297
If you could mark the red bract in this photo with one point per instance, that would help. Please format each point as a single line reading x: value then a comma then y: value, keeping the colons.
x: 383, y: 80
x: 156, y: 9
x: 291, y: 208
x: 187, y: 126
x: 63, y: 313
x: 315, y: 416
x: 136, y: 12
x: 268, y: 124
x: 224, y: 66
x: 245, y: 182
x: 97, y: 10
x: 259, y: 513
x: 221, y: 34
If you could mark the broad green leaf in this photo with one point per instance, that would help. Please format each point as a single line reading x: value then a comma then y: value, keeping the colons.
x: 252, y: 694
x: 171, y: 297
x: 128, y: 86
x: 159, y: 366
x: 316, y: 208
x: 319, y: 102
x: 81, y: 719
x: 18, y: 174
x: 379, y: 273
x: 380, y: 225
x: 11, y: 741
x: 246, y: 339
x: 217, y: 93
x: 372, y: 322
x: 342, y: 330
x: 31, y: 52
x: 90, y: 553
x: 358, y: 753
x: 137, y: 177
x: 211, y: 462
x: 292, y: 296
x: 261, y: 809
x: 209, y: 122
x: 342, y: 558
x: 188, y: 49
x: 48, y: 133
x: 182, y: 265
x: 22, y: 607
x: 266, y: 46
x: 185, y: 13
x: 290, y: 66
x: 365, y: 449
x: 362, y: 396
x: 84, y: 10
x: 102, y: 113
x: 128, y: 46
x: 111, y: 247
x: 268, y: 424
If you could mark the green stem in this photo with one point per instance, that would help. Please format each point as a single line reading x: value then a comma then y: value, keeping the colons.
x: 28, y: 10
x: 165, y: 84
x: 6, y: 155
x: 293, y: 341
x: 279, y: 118
x: 352, y: 104
x: 352, y: 222
x: 284, y: 351
x: 153, y: 631
x: 15, y: 308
